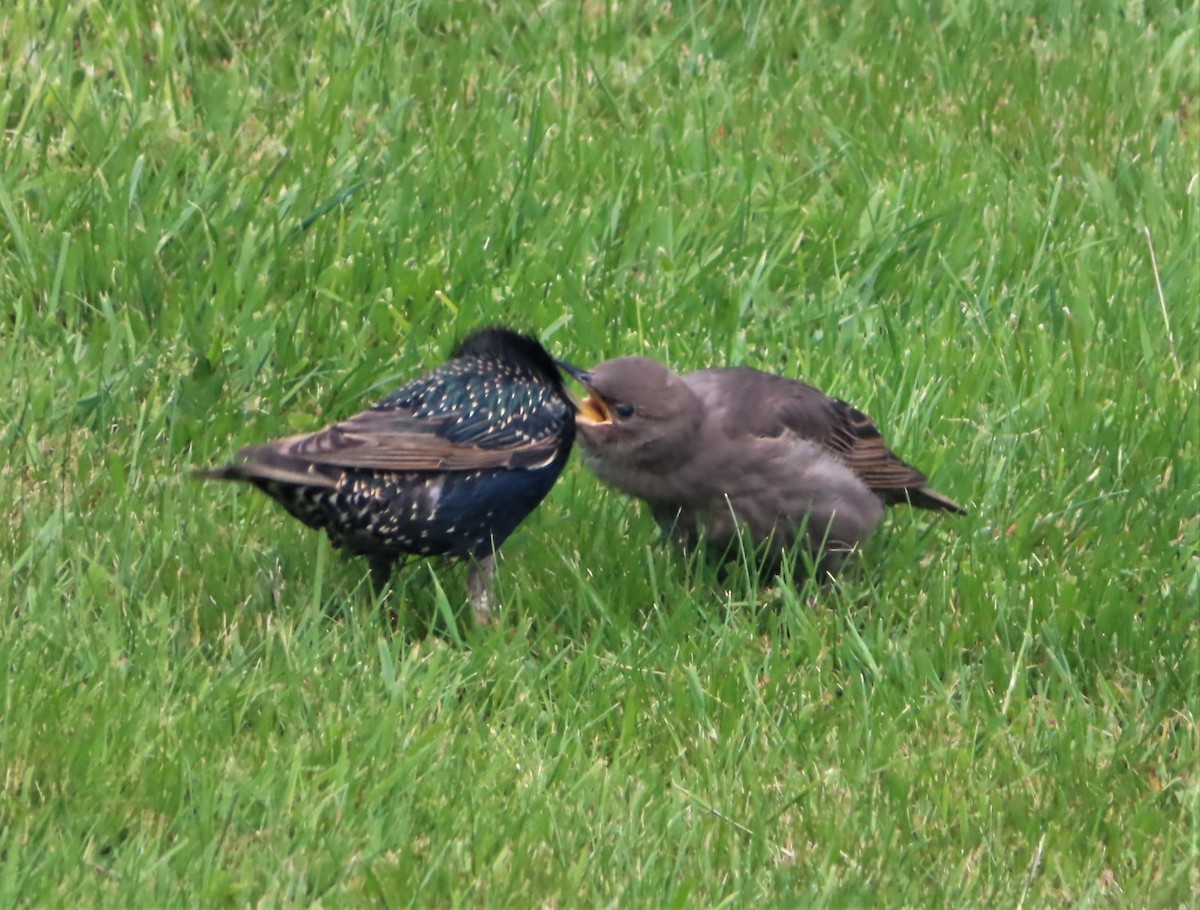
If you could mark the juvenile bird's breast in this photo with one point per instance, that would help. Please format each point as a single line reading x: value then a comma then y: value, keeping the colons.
x: 618, y: 473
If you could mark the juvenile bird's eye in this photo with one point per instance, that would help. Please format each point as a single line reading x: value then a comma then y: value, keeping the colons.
x: 623, y: 410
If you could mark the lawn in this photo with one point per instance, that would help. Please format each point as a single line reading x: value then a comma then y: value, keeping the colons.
x: 223, y: 222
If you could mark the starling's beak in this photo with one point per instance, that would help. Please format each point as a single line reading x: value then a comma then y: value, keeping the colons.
x: 574, y: 372
x: 592, y: 410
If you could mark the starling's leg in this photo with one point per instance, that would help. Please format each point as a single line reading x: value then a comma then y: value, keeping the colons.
x: 479, y: 587
x: 381, y: 574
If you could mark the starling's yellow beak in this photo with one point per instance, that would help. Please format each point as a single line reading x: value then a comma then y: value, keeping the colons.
x: 593, y: 410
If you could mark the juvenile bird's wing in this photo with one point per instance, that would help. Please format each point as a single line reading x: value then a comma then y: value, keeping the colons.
x: 753, y: 403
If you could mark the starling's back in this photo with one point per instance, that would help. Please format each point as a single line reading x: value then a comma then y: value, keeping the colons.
x: 449, y: 464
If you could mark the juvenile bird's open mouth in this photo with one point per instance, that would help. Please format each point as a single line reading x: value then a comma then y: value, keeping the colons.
x: 593, y: 411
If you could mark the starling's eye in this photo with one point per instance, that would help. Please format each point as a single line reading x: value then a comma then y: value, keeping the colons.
x: 624, y: 411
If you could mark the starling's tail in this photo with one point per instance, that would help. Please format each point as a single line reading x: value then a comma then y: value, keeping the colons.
x: 261, y: 464
x: 225, y: 472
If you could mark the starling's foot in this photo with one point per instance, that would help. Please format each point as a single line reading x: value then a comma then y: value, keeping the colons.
x: 479, y: 588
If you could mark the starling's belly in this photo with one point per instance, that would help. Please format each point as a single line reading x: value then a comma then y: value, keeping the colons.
x: 370, y: 513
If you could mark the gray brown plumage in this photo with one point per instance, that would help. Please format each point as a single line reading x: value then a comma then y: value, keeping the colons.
x: 448, y: 465
x: 720, y: 451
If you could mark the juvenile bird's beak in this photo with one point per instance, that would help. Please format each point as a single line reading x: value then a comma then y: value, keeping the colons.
x: 592, y: 410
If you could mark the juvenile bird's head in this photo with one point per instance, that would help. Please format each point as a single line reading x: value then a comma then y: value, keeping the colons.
x: 638, y: 414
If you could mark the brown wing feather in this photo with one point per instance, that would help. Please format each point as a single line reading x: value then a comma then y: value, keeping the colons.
x: 861, y: 446
x: 385, y: 440
x: 857, y: 441
x: 375, y: 440
x: 782, y: 405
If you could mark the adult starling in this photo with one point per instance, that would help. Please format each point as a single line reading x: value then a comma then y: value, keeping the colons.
x: 448, y: 465
x: 719, y: 451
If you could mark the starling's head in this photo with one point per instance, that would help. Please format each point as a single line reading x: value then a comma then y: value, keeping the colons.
x: 503, y: 345
x: 637, y: 412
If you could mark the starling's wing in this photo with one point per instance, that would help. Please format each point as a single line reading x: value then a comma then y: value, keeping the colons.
x: 467, y: 415
x: 386, y: 439
x: 762, y: 404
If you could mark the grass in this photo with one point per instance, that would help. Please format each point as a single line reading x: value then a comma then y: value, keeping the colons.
x: 979, y: 222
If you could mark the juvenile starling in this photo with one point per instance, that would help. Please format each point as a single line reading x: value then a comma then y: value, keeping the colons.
x: 723, y: 450
x: 448, y: 465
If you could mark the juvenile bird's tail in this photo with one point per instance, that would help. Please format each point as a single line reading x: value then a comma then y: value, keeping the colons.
x: 924, y: 498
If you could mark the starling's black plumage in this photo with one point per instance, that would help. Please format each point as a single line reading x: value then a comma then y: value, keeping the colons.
x: 719, y: 452
x: 448, y: 465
